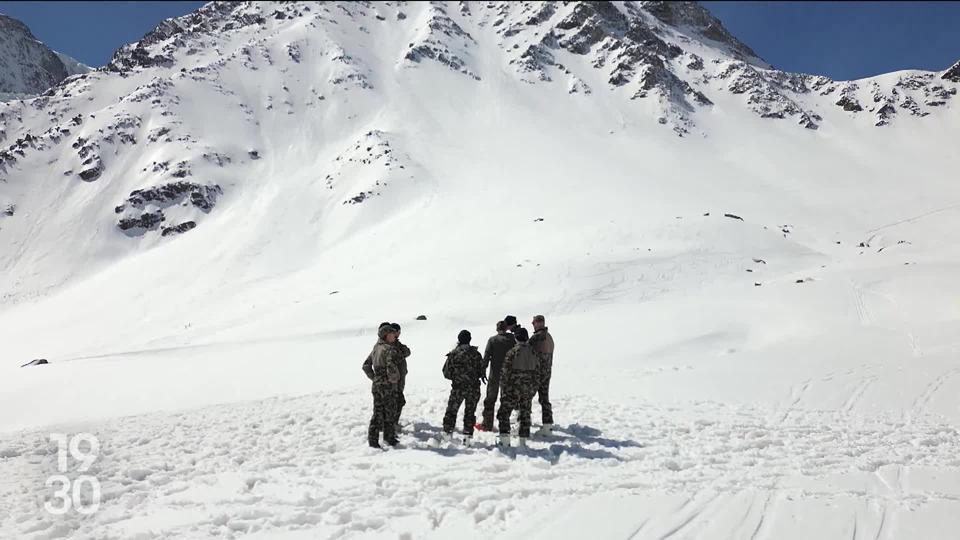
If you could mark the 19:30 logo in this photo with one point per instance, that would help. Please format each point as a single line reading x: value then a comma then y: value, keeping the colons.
x: 70, y: 493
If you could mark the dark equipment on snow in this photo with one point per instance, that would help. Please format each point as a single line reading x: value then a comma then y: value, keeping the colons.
x: 37, y: 362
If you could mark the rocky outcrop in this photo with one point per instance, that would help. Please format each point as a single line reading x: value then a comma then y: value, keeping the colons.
x: 693, y: 17
x: 202, y: 197
x: 178, y: 229
x: 145, y: 221
x: 952, y: 74
x: 94, y: 169
x: 884, y: 114
x: 348, y: 72
x: 445, y: 42
x: 849, y: 104
x: 366, y: 168
x: 359, y: 197
x: 158, y: 47
x: 768, y: 94
x: 144, y: 209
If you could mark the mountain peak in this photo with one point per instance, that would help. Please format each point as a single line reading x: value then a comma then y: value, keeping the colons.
x: 692, y: 17
x: 170, y: 34
x: 27, y: 66
x: 11, y: 25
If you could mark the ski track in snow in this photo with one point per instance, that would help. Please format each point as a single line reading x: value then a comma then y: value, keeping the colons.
x: 857, y: 394
x: 921, y: 403
x: 796, y: 396
x: 914, y: 218
x: 863, y: 314
x: 301, y: 464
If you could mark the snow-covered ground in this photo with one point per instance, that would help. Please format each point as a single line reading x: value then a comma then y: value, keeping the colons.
x: 621, y: 467
x: 764, y: 377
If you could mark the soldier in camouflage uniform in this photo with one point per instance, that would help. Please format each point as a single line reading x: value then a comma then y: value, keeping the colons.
x: 382, y: 367
x: 542, y: 342
x: 464, y: 368
x: 404, y: 353
x: 493, y: 355
x: 519, y: 382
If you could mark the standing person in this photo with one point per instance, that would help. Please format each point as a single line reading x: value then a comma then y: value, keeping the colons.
x: 493, y: 355
x: 382, y: 367
x: 519, y: 381
x: 464, y: 369
x: 404, y: 353
x: 542, y: 343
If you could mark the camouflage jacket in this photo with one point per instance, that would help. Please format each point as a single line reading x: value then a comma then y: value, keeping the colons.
x: 382, y: 365
x: 404, y: 353
x: 464, y: 366
x: 497, y: 348
x: 542, y: 342
x: 521, y: 358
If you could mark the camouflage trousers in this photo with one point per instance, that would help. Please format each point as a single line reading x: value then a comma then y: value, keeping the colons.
x: 493, y: 391
x: 517, y: 394
x: 543, y: 391
x: 470, y: 397
x: 401, y: 400
x: 385, y: 400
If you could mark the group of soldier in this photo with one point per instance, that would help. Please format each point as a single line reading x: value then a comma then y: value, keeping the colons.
x: 520, y: 367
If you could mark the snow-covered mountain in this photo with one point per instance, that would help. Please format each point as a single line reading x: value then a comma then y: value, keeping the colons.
x: 27, y: 66
x: 749, y: 274
x: 186, y: 115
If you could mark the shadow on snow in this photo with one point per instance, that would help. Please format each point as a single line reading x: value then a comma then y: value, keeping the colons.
x: 574, y: 440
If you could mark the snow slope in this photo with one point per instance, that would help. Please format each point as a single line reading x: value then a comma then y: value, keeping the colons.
x: 72, y: 65
x: 203, y: 237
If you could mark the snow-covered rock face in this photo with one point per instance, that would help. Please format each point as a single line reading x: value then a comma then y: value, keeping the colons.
x: 207, y: 111
x: 647, y: 50
x: 172, y: 36
x: 27, y: 66
x: 952, y: 74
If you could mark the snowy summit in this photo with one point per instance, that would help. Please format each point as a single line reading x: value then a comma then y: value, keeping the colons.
x: 27, y: 66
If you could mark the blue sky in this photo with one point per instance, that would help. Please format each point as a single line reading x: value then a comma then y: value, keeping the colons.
x: 847, y: 40
x: 843, y: 40
x: 91, y: 31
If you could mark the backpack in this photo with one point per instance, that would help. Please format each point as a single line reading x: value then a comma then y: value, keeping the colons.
x: 447, y: 371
